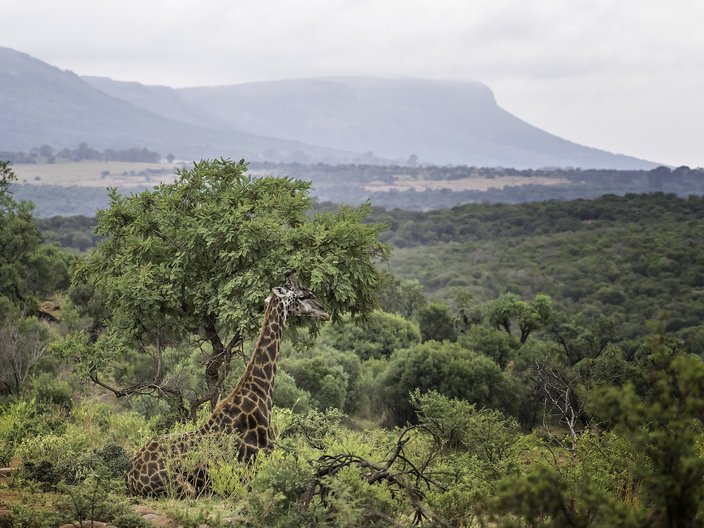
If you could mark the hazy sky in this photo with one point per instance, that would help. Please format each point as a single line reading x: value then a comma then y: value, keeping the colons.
x: 622, y: 75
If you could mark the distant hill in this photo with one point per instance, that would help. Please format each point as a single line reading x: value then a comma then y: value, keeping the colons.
x: 160, y: 100
x: 41, y: 104
x: 440, y: 122
x: 333, y: 120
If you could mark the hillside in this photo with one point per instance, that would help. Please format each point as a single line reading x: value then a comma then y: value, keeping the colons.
x: 333, y: 120
x: 73, y: 188
x: 41, y: 104
x: 439, y: 122
x: 460, y: 408
x: 634, y: 258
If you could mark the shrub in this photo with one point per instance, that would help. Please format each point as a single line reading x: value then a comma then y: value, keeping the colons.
x: 314, y: 426
x: 437, y: 322
x: 278, y: 484
x: 489, y: 436
x: 48, y: 391
x: 322, y: 377
x: 444, y: 367
x: 289, y: 395
x: 493, y: 343
x: 376, y: 337
x: 17, y: 421
x: 112, y: 460
x: 92, y: 500
x: 51, y: 458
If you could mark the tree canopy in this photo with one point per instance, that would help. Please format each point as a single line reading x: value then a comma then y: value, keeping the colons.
x: 28, y: 269
x: 196, y: 258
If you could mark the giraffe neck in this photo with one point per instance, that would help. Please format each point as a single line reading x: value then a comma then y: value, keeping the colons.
x: 258, y: 379
x: 261, y: 369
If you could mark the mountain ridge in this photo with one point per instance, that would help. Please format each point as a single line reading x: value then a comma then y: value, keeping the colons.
x: 42, y: 104
x: 462, y: 122
x: 337, y: 119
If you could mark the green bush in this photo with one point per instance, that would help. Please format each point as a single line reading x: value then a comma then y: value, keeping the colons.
x: 444, y: 367
x: 50, y: 458
x: 486, y: 433
x: 275, y: 490
x: 322, y: 376
x: 18, y: 421
x: 111, y: 459
x: 493, y: 343
x: 290, y: 396
x: 378, y: 336
x: 369, y: 400
x: 48, y: 391
x: 315, y: 427
x: 32, y: 512
x: 92, y: 499
x: 437, y: 322
x: 104, y: 424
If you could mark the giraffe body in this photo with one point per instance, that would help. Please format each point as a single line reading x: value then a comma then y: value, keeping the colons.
x: 243, y: 417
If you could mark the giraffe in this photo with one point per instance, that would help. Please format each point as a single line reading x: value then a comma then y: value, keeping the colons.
x: 243, y: 415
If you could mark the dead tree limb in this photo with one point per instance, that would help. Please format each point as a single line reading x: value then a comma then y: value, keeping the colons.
x: 400, y: 474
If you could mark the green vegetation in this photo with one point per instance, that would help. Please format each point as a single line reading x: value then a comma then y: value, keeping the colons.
x: 46, y: 154
x: 531, y: 365
x: 192, y: 259
x: 637, y: 259
x: 409, y: 188
x: 433, y: 187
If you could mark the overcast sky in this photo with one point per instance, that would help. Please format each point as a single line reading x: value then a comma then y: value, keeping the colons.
x: 622, y: 75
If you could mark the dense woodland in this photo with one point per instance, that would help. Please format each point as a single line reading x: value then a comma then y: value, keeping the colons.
x: 345, y: 183
x: 83, y: 152
x: 536, y: 364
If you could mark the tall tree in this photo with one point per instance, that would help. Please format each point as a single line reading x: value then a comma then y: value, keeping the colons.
x: 661, y: 416
x: 19, y: 238
x: 196, y: 257
x: 509, y: 308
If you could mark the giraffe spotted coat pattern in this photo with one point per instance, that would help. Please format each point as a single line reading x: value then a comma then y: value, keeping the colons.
x: 160, y: 467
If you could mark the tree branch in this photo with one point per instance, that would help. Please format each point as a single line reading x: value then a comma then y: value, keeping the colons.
x: 377, y: 472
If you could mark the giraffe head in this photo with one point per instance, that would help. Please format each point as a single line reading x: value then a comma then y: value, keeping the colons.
x: 298, y: 300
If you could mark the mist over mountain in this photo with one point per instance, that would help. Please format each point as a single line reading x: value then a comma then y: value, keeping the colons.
x: 441, y: 122
x: 334, y: 120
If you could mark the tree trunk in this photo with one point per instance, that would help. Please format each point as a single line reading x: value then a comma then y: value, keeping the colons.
x: 216, y: 369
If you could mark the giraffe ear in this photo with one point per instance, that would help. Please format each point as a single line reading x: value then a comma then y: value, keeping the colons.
x: 290, y: 278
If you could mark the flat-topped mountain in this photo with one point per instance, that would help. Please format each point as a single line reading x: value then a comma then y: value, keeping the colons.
x: 335, y: 120
x: 440, y: 122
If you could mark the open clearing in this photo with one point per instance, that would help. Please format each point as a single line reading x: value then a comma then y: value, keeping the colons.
x: 95, y: 173
x: 125, y: 175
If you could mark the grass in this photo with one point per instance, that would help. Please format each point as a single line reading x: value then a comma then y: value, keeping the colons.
x: 95, y: 173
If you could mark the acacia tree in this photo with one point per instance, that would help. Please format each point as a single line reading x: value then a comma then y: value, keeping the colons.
x: 509, y: 308
x: 195, y: 259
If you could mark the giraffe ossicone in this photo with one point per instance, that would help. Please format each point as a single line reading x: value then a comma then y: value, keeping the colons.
x: 159, y: 468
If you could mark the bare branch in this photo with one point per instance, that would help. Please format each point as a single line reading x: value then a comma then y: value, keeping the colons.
x: 560, y: 399
x: 377, y: 472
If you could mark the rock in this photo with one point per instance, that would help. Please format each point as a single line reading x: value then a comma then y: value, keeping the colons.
x: 142, y: 509
x: 85, y: 524
x: 159, y: 520
x: 6, y: 472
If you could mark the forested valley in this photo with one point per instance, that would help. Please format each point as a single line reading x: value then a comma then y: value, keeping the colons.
x: 535, y: 364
